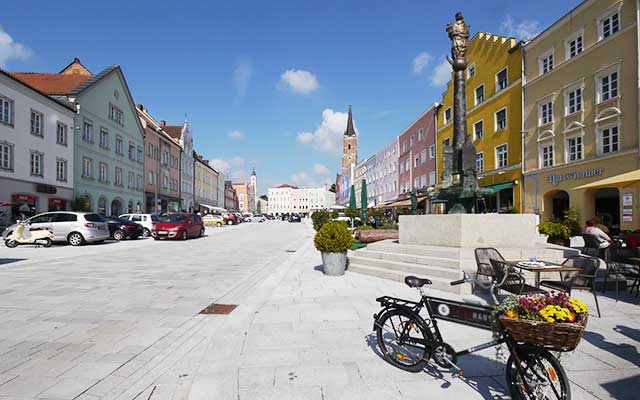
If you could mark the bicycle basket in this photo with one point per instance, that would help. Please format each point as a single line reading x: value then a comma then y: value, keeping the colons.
x: 557, y: 335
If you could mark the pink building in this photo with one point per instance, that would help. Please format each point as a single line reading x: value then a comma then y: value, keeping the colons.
x: 417, y: 160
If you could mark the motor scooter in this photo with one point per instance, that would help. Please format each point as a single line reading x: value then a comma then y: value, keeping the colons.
x: 38, y: 237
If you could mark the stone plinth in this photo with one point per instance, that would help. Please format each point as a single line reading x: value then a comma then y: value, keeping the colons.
x: 469, y: 230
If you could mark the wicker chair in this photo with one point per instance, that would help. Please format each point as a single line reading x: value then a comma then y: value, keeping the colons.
x: 577, y: 280
x: 616, y: 265
x: 509, y: 280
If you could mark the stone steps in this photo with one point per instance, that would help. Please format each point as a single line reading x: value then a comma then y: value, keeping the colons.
x: 395, y: 275
x: 410, y: 268
x: 430, y: 260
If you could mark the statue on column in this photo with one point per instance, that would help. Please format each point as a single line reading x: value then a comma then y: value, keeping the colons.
x: 459, y: 35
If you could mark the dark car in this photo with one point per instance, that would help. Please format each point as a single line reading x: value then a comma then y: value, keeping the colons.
x: 178, y: 225
x: 294, y: 218
x: 120, y: 228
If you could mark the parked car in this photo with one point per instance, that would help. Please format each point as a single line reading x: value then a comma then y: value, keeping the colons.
x: 178, y: 225
x: 270, y: 217
x: 214, y: 219
x: 239, y: 217
x: 121, y: 228
x: 231, y: 219
x: 256, y: 218
x: 295, y: 218
x: 146, y: 220
x: 75, y: 228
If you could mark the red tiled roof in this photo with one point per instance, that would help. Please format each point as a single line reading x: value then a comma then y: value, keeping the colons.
x: 284, y: 185
x: 51, y: 84
x: 175, y: 131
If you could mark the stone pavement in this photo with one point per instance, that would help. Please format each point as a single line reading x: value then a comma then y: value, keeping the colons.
x: 296, y: 334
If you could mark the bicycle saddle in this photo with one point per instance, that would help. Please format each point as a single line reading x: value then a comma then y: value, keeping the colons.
x: 415, y: 282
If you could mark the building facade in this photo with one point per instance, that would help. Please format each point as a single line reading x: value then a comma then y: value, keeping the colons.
x: 357, y: 179
x: 245, y: 196
x: 581, y: 114
x: 162, y: 166
x: 36, y: 151
x: 182, y: 134
x: 109, y: 142
x: 287, y: 199
x: 263, y: 204
x: 205, y: 184
x: 494, y: 119
x: 221, y: 200
x: 230, y: 197
x: 370, y: 177
x: 384, y: 189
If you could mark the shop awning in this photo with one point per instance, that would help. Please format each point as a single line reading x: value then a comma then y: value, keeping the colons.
x: 213, y: 208
x: 493, y: 189
x: 628, y: 179
x: 406, y: 202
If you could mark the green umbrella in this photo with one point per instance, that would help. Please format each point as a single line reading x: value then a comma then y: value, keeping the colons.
x: 414, y: 202
x: 363, y: 202
x: 352, y: 198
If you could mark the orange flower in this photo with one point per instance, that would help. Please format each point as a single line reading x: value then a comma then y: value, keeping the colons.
x: 511, y: 314
x: 572, y: 317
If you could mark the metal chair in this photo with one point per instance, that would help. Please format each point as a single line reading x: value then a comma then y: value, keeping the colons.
x: 577, y: 280
x: 483, y: 260
x: 616, y: 265
x: 509, y: 280
x: 591, y: 245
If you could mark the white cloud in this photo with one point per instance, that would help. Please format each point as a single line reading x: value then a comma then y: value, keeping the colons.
x: 303, y: 179
x: 328, y: 136
x: 441, y: 73
x: 235, y: 135
x: 233, y: 168
x: 320, y: 169
x: 299, y: 81
x: 10, y: 50
x: 420, y: 62
x: 525, y: 29
x: 242, y: 74
x: 220, y: 164
x: 299, y: 178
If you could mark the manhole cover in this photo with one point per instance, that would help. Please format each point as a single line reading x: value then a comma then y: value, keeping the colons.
x: 222, y: 309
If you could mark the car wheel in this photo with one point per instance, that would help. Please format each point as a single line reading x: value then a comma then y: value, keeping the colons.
x: 118, y: 235
x: 218, y: 224
x: 146, y: 233
x: 75, y: 239
x: 11, y: 243
x: 135, y: 237
x: 184, y: 235
x: 201, y: 232
x: 47, y: 242
x: 229, y: 222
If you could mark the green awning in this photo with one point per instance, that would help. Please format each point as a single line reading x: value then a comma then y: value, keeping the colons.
x: 493, y: 189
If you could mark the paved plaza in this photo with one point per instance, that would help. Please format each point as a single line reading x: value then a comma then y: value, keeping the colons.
x: 120, y: 321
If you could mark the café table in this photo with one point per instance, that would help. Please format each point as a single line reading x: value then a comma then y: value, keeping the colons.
x: 537, y: 269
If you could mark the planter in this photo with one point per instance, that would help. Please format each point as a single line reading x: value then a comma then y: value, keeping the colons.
x: 334, y: 264
x: 376, y: 235
x: 557, y: 335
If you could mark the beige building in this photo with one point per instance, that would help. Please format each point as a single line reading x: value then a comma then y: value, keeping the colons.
x: 581, y: 114
x: 205, y: 185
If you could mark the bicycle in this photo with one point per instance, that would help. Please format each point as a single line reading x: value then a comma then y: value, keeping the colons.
x: 408, y: 341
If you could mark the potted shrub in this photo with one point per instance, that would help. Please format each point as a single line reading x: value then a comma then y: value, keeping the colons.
x: 560, y: 230
x: 333, y: 240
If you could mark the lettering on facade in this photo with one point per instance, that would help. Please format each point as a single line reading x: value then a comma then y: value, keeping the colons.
x: 555, y: 179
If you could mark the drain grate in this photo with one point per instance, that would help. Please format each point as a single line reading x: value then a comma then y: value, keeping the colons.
x: 221, y: 309
x: 289, y: 251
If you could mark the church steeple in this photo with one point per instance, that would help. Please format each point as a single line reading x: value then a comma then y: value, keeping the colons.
x: 350, y: 131
x: 349, y: 145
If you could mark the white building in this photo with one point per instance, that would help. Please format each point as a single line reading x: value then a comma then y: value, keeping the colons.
x: 36, y: 151
x: 290, y: 199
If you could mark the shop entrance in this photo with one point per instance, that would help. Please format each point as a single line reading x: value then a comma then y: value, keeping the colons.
x: 116, y: 208
x: 607, y: 206
x: 560, y: 204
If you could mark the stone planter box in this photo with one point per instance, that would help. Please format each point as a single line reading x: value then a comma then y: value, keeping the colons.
x: 334, y: 264
x: 376, y: 235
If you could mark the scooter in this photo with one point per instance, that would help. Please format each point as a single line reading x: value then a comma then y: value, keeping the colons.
x: 38, y: 237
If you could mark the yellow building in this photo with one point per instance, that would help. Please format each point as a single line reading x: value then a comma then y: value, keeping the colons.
x: 494, y: 109
x: 581, y: 114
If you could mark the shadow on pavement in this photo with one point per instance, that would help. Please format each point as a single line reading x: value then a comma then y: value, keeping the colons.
x: 624, y: 388
x: 624, y: 351
x: 10, y: 260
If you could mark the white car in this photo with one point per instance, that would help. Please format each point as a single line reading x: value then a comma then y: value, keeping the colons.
x: 146, y: 220
x: 256, y: 218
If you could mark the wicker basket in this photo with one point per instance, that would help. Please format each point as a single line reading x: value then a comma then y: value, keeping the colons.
x: 558, y: 335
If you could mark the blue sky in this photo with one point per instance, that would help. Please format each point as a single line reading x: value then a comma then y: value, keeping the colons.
x: 266, y: 83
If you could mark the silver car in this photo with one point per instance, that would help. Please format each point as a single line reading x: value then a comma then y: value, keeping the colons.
x: 72, y: 227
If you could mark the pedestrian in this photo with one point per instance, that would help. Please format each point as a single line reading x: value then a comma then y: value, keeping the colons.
x: 598, y: 224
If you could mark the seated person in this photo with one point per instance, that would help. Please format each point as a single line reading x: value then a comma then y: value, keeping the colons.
x: 603, y: 238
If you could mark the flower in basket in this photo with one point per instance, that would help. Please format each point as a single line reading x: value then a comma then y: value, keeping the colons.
x: 552, y: 307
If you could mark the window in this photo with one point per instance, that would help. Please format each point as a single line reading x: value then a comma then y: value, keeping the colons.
x: 609, y: 25
x: 87, y: 167
x: 432, y: 152
x: 501, y: 80
x: 502, y: 158
x: 546, y: 155
x: 471, y: 71
x: 423, y: 181
x: 416, y: 161
x: 165, y: 182
x: 416, y: 182
x: 574, y: 46
x: 150, y: 178
x: 501, y: 120
x: 446, y: 142
x: 140, y: 155
x: 6, y: 156
x: 411, y: 141
x: 423, y: 156
x: 432, y: 178
x: 545, y: 112
x: 479, y: 162
x: 37, y: 163
x: 37, y: 127
x: 608, y: 86
x: 447, y: 116
x: 421, y: 134
x: 139, y: 182
x: 401, y: 167
x: 150, y: 150
x: 407, y: 165
x: 118, y: 181
x: 574, y: 148
x: 478, y: 130
x: 87, y: 131
x: 6, y: 111
x: 131, y: 180
x: 479, y: 97
x: 573, y: 100
x: 61, y: 133
x: 119, y: 145
x: 61, y: 170
x: 116, y: 114
x: 404, y: 146
x: 609, y: 139
x: 104, y: 138
x: 103, y: 176
x: 546, y: 62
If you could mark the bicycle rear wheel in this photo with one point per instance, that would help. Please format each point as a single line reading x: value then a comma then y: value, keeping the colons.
x: 544, y: 376
x: 404, y: 340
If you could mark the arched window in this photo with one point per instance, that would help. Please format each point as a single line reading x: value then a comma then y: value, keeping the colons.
x: 130, y: 207
x: 102, y: 206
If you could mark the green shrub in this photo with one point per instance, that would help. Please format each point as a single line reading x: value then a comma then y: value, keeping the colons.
x: 80, y: 204
x: 320, y: 218
x: 389, y: 225
x: 352, y: 212
x: 562, y: 228
x: 364, y: 227
x: 333, y: 237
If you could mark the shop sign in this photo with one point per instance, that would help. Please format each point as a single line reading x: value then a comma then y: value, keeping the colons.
x: 24, y: 198
x: 42, y: 188
x: 555, y: 179
x: 627, y: 215
x: 59, y: 202
x: 627, y: 199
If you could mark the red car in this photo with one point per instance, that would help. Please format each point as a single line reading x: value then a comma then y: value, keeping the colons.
x: 178, y: 225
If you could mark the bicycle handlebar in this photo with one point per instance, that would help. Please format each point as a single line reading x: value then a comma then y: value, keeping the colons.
x: 458, y: 282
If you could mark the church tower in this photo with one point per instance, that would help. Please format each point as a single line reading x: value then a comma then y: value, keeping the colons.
x: 350, y: 146
x: 254, y: 189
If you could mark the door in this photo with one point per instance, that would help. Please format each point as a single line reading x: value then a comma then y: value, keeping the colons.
x: 194, y: 228
x: 63, y: 224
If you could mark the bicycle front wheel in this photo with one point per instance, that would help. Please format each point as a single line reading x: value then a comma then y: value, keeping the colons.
x: 403, y: 340
x: 540, y: 376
